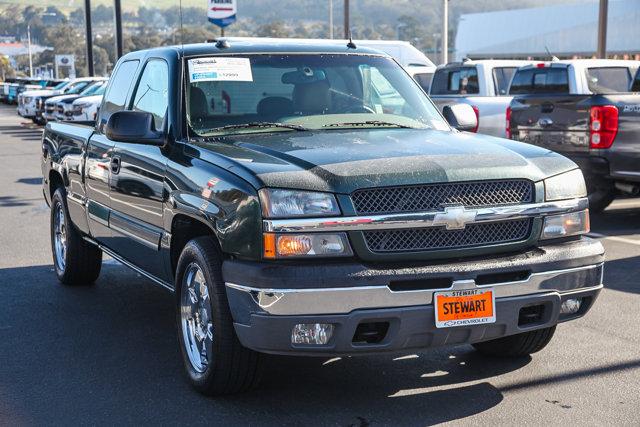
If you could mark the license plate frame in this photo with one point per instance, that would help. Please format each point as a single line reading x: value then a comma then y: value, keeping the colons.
x: 469, y: 307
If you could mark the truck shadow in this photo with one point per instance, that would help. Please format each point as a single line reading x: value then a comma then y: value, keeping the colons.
x: 112, y: 347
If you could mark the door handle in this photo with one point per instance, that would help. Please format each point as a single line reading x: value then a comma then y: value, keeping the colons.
x: 115, y: 164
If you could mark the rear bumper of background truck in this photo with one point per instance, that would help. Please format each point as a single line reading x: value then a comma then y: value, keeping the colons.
x: 394, y: 305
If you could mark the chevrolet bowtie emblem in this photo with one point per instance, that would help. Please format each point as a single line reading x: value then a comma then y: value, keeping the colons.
x: 454, y: 217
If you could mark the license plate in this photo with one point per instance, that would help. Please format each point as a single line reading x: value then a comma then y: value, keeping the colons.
x: 464, y: 307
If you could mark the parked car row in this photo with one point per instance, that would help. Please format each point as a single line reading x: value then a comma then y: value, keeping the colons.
x: 58, y: 103
x: 11, y: 88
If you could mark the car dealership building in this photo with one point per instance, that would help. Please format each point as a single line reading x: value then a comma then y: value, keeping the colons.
x: 568, y: 30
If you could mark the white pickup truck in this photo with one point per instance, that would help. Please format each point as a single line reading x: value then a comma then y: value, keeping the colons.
x: 483, y: 84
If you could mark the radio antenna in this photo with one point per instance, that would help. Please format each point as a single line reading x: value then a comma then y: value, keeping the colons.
x: 181, y: 28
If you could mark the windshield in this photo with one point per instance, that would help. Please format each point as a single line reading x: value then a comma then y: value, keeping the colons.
x: 257, y: 93
x: 76, y: 88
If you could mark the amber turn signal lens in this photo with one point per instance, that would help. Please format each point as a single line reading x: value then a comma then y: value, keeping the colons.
x: 293, y: 245
x: 269, y: 245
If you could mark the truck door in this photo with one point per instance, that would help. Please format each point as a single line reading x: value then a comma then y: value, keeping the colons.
x: 99, y: 161
x: 137, y: 183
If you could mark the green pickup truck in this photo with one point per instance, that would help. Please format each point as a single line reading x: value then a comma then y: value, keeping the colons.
x: 309, y: 199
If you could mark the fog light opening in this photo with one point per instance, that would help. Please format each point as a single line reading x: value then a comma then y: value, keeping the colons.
x: 570, y: 306
x: 312, y: 333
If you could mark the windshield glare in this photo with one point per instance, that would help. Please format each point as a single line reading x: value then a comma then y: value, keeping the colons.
x: 313, y: 91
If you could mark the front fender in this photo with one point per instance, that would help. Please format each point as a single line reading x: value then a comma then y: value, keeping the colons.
x: 221, y: 200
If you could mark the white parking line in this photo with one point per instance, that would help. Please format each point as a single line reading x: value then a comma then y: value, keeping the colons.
x: 615, y: 238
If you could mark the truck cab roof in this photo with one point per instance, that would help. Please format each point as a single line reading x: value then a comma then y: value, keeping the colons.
x: 233, y: 46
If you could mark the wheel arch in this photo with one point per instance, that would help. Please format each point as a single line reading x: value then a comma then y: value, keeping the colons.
x: 184, y: 228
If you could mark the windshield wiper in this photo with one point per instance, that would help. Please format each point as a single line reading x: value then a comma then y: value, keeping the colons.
x: 369, y: 123
x: 257, y: 125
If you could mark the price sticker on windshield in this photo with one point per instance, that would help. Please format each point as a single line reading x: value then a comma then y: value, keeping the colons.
x: 220, y: 69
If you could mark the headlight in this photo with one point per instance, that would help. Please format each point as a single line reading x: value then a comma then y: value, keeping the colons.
x: 277, y: 203
x: 569, y: 224
x: 569, y: 185
x: 82, y: 106
x: 305, y: 245
x: 26, y: 99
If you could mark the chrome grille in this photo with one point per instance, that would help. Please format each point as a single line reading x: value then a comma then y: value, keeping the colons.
x: 422, y: 239
x: 414, y: 198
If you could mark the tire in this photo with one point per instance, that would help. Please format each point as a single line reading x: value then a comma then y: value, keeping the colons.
x: 518, y: 345
x: 214, y: 360
x: 76, y: 261
x: 600, y: 199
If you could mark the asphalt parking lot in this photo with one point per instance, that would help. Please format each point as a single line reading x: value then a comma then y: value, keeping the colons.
x: 108, y: 354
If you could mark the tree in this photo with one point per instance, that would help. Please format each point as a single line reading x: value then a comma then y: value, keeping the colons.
x: 273, y: 29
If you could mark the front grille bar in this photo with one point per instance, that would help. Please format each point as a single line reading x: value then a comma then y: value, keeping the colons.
x: 420, y: 219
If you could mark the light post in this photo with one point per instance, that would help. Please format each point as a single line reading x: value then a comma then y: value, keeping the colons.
x: 445, y: 31
x: 29, y: 39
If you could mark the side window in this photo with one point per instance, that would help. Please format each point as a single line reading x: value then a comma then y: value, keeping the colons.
x: 152, y: 92
x: 455, y: 81
x: 424, y: 80
x: 116, y: 94
x: 502, y: 78
x: 608, y: 79
x: 635, y: 87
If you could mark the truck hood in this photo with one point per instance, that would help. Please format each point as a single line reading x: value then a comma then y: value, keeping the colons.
x: 57, y: 98
x: 93, y: 99
x: 342, y: 161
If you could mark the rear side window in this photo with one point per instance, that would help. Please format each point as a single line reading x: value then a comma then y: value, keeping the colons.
x: 119, y: 85
x: 455, y: 81
x: 608, y: 79
x: 540, y: 80
x: 635, y: 87
x: 502, y: 78
x: 424, y: 80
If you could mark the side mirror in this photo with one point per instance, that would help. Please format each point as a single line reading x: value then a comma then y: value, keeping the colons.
x: 461, y: 117
x: 135, y: 127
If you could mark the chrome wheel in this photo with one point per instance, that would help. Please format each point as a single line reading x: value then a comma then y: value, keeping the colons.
x: 60, y: 237
x: 196, y: 318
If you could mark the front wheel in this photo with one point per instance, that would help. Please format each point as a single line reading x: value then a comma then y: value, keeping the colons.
x: 215, y: 361
x: 76, y: 261
x: 517, y: 345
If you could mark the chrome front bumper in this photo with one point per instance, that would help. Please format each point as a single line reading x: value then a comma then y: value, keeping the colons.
x: 345, y: 300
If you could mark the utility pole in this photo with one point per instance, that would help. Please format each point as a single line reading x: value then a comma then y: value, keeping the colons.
x: 29, y: 48
x: 330, y: 19
x: 347, y: 31
x: 118, y: 18
x: 445, y: 31
x: 602, y: 29
x: 89, y: 36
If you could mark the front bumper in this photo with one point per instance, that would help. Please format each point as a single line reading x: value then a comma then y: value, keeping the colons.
x: 268, y: 300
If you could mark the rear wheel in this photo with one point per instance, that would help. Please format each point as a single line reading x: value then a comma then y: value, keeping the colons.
x: 517, y: 345
x: 215, y: 361
x: 76, y: 261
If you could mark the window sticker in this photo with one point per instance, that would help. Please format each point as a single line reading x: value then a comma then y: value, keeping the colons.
x: 220, y: 69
